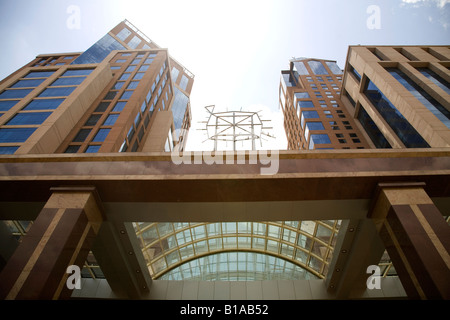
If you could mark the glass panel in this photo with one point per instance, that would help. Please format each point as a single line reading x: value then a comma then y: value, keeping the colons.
x: 15, y: 134
x: 429, y: 102
x: 407, y: 134
x: 184, y: 82
x: 57, y: 92
x: 174, y: 74
x: 123, y: 34
x: 134, y: 42
x: 119, y: 106
x: 27, y: 83
x: 317, y: 67
x: 16, y: 93
x: 334, y: 67
x: 318, y: 139
x: 300, y: 68
x: 68, y: 81
x: 39, y: 74
x: 77, y: 72
x: 437, y: 79
x: 6, y: 105
x: 372, y: 130
x: 29, y: 118
x: 43, y: 104
x: 101, y: 135
x: 99, y: 51
x: 92, y: 149
x: 82, y: 135
x: 111, y: 120
x: 8, y: 150
x: 93, y: 119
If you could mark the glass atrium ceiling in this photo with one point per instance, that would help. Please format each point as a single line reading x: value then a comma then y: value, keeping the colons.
x: 227, y: 251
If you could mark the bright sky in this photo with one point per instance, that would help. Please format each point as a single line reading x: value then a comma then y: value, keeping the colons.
x: 235, y: 49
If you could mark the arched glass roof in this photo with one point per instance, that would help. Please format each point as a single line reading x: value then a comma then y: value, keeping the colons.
x: 169, y: 246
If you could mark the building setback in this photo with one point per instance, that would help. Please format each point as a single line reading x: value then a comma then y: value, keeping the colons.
x: 85, y: 138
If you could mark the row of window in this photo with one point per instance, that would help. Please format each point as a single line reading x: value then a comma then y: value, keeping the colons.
x: 38, y: 109
x: 134, y: 42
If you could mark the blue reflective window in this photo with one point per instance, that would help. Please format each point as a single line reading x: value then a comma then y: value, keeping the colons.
x: 134, y: 42
x: 57, y: 92
x: 148, y: 61
x: 29, y: 118
x: 136, y: 61
x: 119, y: 106
x: 124, y: 76
x: 143, y: 68
x: 300, y: 68
x: 130, y: 69
x: 77, y: 72
x: 428, y: 101
x: 179, y: 107
x: 101, y: 135
x: 39, y: 74
x: 6, y: 105
x: 8, y: 150
x: 372, y: 130
x: 315, y: 126
x: 301, y: 95
x: 317, y: 67
x: 354, y: 73
x: 43, y: 104
x: 306, y: 104
x: 99, y: 51
x: 112, y: 118
x: 118, y: 85
x: 68, y: 81
x: 404, y: 130
x: 133, y: 85
x: 437, y: 79
x: 15, y: 134
x: 287, y: 80
x: 16, y: 93
x: 102, y: 106
x: 138, y: 76
x: 27, y: 83
x: 318, y: 139
x: 92, y: 149
x: 184, y: 82
x: 123, y: 34
x: 308, y: 115
x: 334, y: 67
x: 174, y: 74
x: 126, y: 95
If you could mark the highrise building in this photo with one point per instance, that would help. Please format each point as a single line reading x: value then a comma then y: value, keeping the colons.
x: 85, y: 185
x: 123, y: 94
x: 314, y: 115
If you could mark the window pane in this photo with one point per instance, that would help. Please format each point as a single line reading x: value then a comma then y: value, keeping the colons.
x: 119, y: 106
x: 27, y: 83
x: 92, y: 149
x: 68, y: 81
x: 43, y: 104
x: 19, y: 93
x: 77, y: 72
x: 39, y: 74
x: 8, y: 150
x: 317, y: 67
x: 15, y: 134
x: 6, y: 105
x: 111, y: 120
x: 134, y: 42
x: 29, y: 118
x: 57, y: 92
x: 123, y: 34
x: 101, y: 135
x: 72, y: 149
x: 82, y: 135
x: 334, y: 67
x: 126, y: 95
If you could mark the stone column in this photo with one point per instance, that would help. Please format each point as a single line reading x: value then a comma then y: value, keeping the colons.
x: 417, y: 238
x: 61, y: 236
